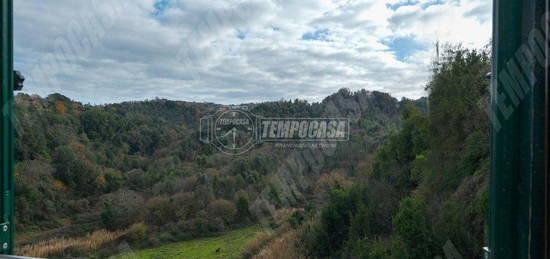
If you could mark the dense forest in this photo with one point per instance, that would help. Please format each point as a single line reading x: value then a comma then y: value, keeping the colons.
x: 138, y: 169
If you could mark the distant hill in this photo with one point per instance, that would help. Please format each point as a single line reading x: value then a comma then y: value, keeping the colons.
x: 116, y: 165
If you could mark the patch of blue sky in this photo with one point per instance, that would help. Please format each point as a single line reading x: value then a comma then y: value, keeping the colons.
x: 431, y: 3
x: 404, y: 47
x: 241, y: 34
x: 161, y: 6
x: 402, y: 3
x: 320, y: 35
x: 423, y: 4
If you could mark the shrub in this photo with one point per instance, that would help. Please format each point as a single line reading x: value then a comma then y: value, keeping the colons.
x: 296, y: 219
x: 159, y: 211
x: 107, y: 217
x: 183, y: 205
x: 200, y: 225
x: 255, y: 245
x: 216, y: 225
x: 137, y: 231
x: 282, y: 246
x: 153, y: 241
x: 166, y: 237
x: 223, y: 209
x: 122, y: 209
x: 412, y: 228
x: 79, y: 205
x: 242, y: 206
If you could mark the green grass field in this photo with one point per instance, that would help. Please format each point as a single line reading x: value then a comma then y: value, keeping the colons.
x: 230, y: 245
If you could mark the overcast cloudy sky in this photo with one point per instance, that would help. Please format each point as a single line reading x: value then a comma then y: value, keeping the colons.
x: 235, y: 51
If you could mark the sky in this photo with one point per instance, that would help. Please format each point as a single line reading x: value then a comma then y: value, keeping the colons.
x: 237, y: 51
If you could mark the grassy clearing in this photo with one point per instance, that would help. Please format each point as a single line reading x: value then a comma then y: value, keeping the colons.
x: 230, y: 246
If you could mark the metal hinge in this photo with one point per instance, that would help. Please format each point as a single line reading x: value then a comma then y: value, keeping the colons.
x: 4, y: 237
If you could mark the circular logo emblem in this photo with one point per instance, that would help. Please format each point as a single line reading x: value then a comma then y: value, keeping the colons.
x: 234, y: 132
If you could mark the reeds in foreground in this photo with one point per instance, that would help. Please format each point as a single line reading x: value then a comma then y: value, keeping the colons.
x: 55, y: 246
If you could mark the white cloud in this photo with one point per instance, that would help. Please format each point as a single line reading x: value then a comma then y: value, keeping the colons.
x: 245, y: 50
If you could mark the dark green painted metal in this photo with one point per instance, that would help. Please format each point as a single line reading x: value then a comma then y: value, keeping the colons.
x: 503, y: 234
x: 547, y: 143
x: 517, y: 192
x: 532, y: 148
x: 6, y: 129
